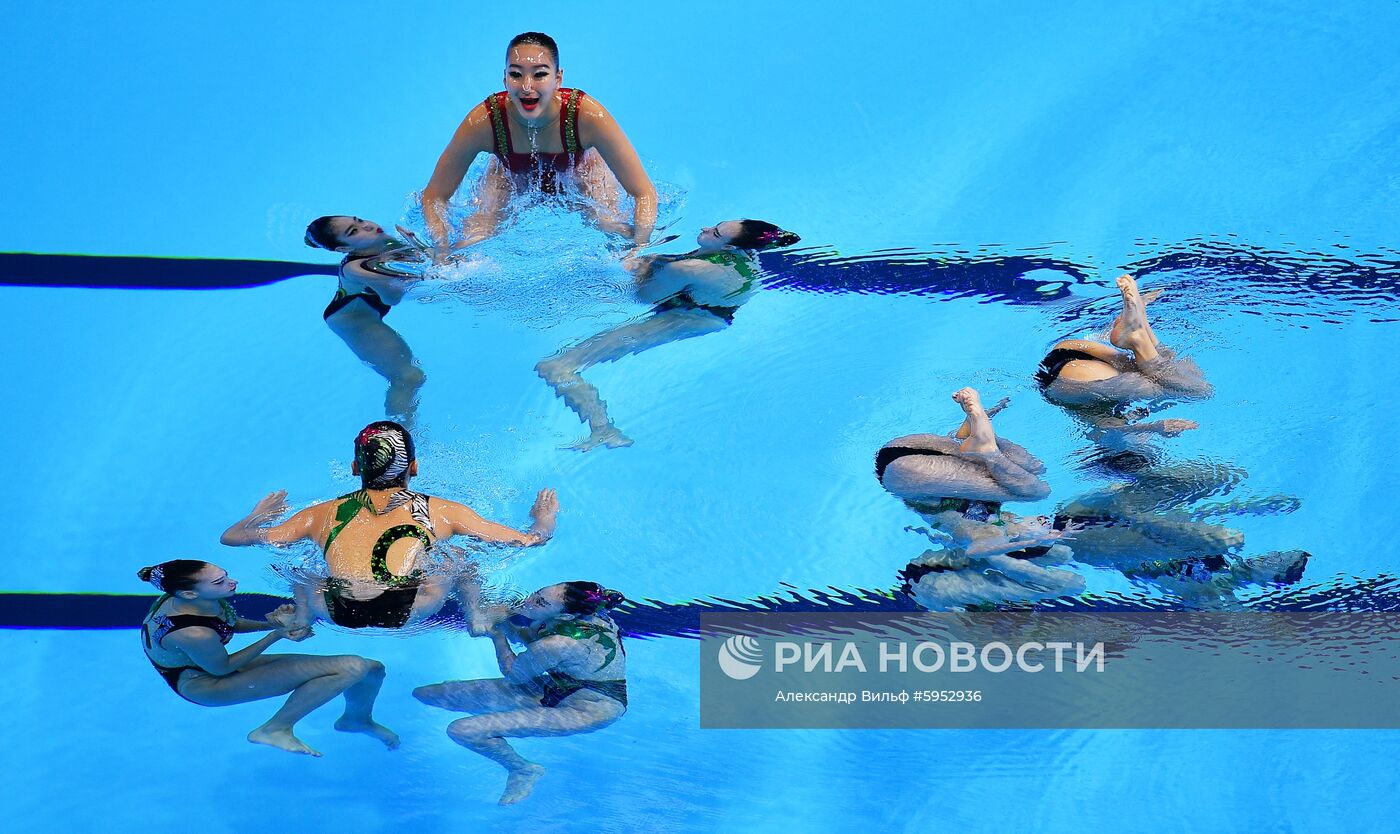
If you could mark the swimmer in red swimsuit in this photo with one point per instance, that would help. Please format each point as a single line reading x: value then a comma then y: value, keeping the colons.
x: 544, y: 137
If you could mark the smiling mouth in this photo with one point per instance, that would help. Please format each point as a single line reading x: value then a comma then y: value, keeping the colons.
x: 529, y: 104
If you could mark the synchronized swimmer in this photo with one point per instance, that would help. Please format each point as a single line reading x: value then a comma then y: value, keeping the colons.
x: 693, y: 295
x: 376, y: 540
x: 545, y: 138
x: 570, y: 679
x: 363, y: 297
x: 190, y: 624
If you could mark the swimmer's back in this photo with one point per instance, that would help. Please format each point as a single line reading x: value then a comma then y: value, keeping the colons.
x: 354, y: 535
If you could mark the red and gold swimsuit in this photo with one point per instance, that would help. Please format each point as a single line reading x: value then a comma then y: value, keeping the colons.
x: 541, y: 168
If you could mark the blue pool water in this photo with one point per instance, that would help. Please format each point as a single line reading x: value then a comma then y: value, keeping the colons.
x: 967, y: 178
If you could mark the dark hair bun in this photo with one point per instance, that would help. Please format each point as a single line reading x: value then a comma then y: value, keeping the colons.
x: 611, y: 599
x: 144, y: 574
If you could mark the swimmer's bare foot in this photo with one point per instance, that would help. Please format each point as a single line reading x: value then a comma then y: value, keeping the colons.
x: 964, y: 430
x: 520, y: 782
x: 1115, y: 332
x: 1135, y: 334
x: 282, y: 739
x: 981, y: 439
x: 386, y: 736
x: 610, y: 437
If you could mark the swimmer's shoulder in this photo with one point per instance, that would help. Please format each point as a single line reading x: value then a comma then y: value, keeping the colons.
x: 593, y: 118
x: 474, y: 134
x: 317, y: 518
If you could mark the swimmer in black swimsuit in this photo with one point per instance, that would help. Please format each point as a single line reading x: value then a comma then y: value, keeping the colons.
x: 1135, y: 366
x: 185, y: 634
x: 693, y: 294
x: 366, y: 293
x: 376, y: 541
x: 1144, y: 524
x: 1153, y: 530
x: 958, y: 485
x: 571, y: 678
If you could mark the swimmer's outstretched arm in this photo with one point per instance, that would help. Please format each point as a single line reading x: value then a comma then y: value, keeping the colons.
x: 464, y: 521
x: 473, y: 136
x: 249, y: 530
x: 599, y: 129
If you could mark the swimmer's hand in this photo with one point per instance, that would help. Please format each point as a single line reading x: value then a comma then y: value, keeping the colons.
x: 283, y: 616
x: 1070, y: 528
x: 544, y: 511
x: 439, y: 255
x: 296, y: 635
x: 546, y: 505
x: 413, y: 240
x: 271, y: 506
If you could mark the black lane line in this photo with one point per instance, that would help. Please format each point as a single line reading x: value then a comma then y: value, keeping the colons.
x: 650, y: 618
x: 24, y: 269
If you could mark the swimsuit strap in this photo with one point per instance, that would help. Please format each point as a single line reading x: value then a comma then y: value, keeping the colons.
x: 496, y: 107
x: 568, y: 120
x: 350, y: 506
x: 146, y: 621
x: 172, y: 623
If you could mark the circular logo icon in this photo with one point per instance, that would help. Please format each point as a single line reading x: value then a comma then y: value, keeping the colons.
x: 740, y: 657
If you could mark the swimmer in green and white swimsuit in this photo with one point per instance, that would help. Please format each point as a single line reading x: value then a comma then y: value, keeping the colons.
x: 570, y: 679
x: 692, y: 295
x: 376, y: 541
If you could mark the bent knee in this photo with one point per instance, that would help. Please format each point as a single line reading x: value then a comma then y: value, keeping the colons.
x: 465, y: 729
x: 358, y: 667
x: 412, y: 376
x: 429, y: 694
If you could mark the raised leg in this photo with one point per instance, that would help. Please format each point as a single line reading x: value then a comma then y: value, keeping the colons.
x: 981, y: 445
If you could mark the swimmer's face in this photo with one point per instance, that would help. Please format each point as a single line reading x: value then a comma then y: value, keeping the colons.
x: 213, y: 582
x: 355, y: 233
x: 544, y: 603
x: 717, y: 237
x: 531, y: 79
